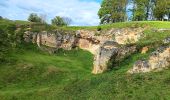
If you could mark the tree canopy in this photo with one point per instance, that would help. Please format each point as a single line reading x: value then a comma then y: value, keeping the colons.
x: 113, y: 11
x: 61, y: 21
x: 117, y: 10
x: 33, y: 17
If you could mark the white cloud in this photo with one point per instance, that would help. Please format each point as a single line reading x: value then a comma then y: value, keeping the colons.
x: 81, y: 12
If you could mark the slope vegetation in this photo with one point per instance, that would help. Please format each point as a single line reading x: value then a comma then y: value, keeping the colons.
x: 31, y: 74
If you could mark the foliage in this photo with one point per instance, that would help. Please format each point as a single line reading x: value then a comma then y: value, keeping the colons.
x: 112, y: 11
x: 162, y: 8
x: 139, y: 10
x: 37, y: 75
x: 33, y: 17
x: 7, y: 40
x: 61, y: 21
x: 4, y: 45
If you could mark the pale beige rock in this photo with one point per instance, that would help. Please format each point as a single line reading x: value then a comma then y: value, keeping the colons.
x: 92, y: 41
x: 144, y: 50
x: 158, y: 60
x: 128, y: 35
x: 109, y: 54
x: 48, y: 39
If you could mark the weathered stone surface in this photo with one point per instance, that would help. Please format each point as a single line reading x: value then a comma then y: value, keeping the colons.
x: 128, y: 35
x: 54, y: 40
x: 144, y: 50
x: 109, y: 54
x: 28, y: 36
x: 85, y: 39
x: 89, y: 41
x: 167, y: 40
x: 100, y: 43
x: 158, y: 60
x: 140, y: 66
x: 103, y: 56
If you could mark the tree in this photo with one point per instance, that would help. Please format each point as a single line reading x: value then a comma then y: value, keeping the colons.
x: 33, y: 17
x: 161, y: 9
x: 141, y: 10
x: 112, y: 11
x: 67, y: 20
x: 168, y: 9
x: 116, y: 10
x: 61, y: 21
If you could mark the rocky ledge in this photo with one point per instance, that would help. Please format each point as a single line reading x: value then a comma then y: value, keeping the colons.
x: 108, y: 46
x: 109, y: 54
x: 158, y: 60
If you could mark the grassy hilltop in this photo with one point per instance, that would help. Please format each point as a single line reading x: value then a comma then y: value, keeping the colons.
x: 30, y: 74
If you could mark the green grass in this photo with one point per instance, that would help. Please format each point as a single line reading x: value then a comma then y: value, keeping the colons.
x: 151, y: 24
x: 34, y: 70
x: 32, y: 74
x: 153, y: 39
x: 39, y: 76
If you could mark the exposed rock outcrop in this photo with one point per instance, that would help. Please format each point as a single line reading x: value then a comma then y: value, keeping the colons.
x: 144, y: 50
x: 28, y: 36
x: 109, y: 54
x: 158, y: 60
x: 100, y: 43
x: 128, y: 35
x: 167, y: 40
x: 88, y: 40
x: 53, y: 40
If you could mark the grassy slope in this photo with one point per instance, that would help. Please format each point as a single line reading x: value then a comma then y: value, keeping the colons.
x: 35, y: 75
x: 37, y: 71
x: 151, y: 24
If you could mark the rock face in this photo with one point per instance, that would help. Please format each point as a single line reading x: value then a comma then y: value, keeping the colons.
x: 109, y: 54
x: 158, y: 60
x: 54, y: 40
x: 88, y: 40
x: 28, y: 36
x: 103, y: 56
x: 100, y: 43
x: 167, y: 40
x: 144, y: 50
x: 128, y: 35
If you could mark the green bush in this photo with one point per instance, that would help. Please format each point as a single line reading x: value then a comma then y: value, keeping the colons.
x: 34, y: 18
x: 99, y: 28
x: 4, y: 45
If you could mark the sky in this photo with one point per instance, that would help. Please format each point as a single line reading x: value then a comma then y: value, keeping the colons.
x: 82, y: 12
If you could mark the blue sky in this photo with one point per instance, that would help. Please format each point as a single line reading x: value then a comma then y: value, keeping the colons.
x: 82, y: 12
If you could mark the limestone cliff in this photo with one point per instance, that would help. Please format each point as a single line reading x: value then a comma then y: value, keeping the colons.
x: 108, y: 46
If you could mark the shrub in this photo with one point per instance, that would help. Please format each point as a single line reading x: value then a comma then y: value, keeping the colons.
x: 4, y: 45
x: 34, y: 18
x: 61, y: 21
x: 99, y: 28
